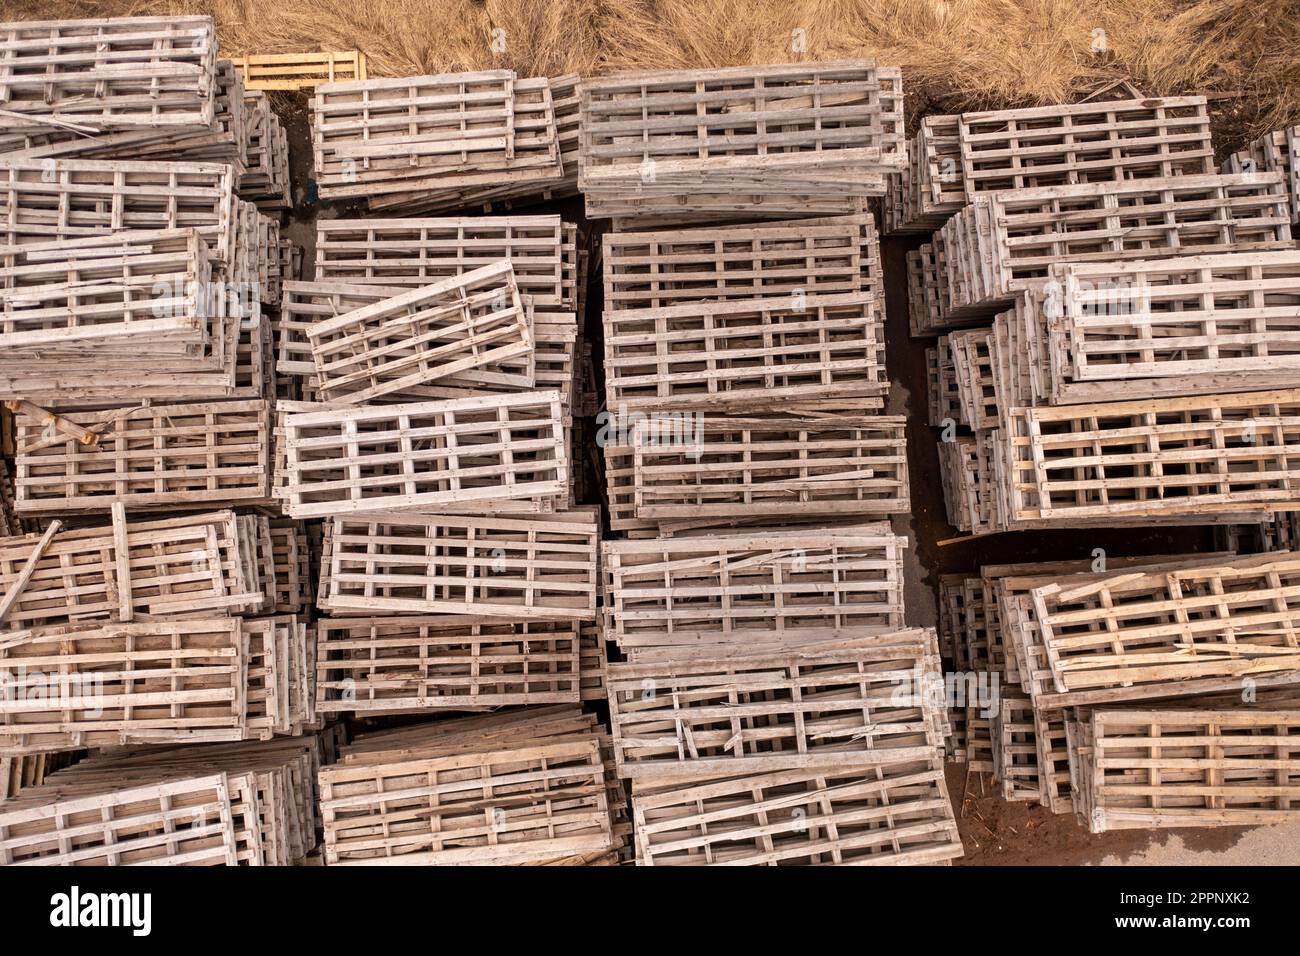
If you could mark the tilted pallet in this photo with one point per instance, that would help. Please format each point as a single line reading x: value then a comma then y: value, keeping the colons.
x: 500, y: 452
x: 1135, y: 635
x: 809, y: 707
x: 783, y: 585
x: 746, y: 467
x: 265, y: 178
x: 390, y: 665
x: 92, y: 76
x: 472, y: 328
x: 536, y: 568
x: 972, y: 359
x: 744, y: 355
x: 1214, y: 766
x: 742, y: 130
x: 110, y: 684
x: 166, y: 566
x: 646, y: 270
x: 300, y: 71
x: 152, y: 456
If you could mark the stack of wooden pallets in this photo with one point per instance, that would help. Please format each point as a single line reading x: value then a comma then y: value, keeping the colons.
x: 1139, y: 691
x: 750, y: 476
x: 1274, y: 152
x: 139, y: 286
x: 434, y: 143
x: 1134, y: 297
x: 250, y: 804
x: 746, y: 142
x: 534, y: 787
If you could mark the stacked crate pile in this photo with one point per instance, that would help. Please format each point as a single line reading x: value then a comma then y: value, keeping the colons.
x: 432, y: 365
x: 1116, y: 347
x: 148, y: 607
x: 770, y: 706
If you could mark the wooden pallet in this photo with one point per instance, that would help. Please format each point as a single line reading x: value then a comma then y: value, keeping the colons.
x: 389, y: 665
x: 1016, y: 764
x: 265, y: 178
x: 406, y: 253
x: 540, y: 568
x: 45, y: 200
x: 747, y: 467
x: 742, y: 130
x: 139, y: 306
x: 1181, y: 326
x: 166, y: 566
x: 281, y: 676
x: 1184, y: 458
x: 1135, y: 635
x: 157, y: 682
x: 817, y: 706
x: 497, y: 453
x: 444, y: 133
x: 1002, y: 243
x: 972, y: 372
x: 292, y: 559
x: 930, y: 188
x: 1148, y: 138
x: 944, y: 403
x: 516, y: 788
x: 782, y: 585
x: 1274, y: 152
x: 545, y: 164
x: 246, y: 804
x: 1187, y: 767
x: 647, y: 270
x: 744, y: 355
x: 473, y: 328
x: 300, y: 71
x: 109, y: 74
x: 887, y: 814
x: 184, y: 822
x: 151, y: 456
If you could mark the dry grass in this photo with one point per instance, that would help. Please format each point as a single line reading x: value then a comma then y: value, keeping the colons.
x: 956, y: 54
